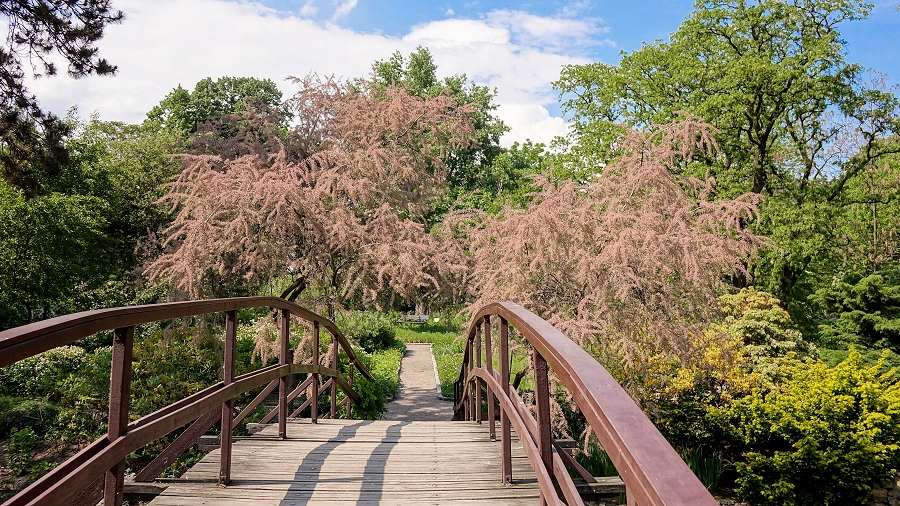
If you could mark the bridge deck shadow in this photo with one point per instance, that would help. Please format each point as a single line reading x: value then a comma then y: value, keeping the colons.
x: 344, y: 462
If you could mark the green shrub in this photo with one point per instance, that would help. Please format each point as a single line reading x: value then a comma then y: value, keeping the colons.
x: 41, y: 375
x: 18, y: 413
x: 372, y: 330
x: 822, y: 437
x: 19, y: 450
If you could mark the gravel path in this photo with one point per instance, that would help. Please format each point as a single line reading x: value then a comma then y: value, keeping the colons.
x: 417, y: 397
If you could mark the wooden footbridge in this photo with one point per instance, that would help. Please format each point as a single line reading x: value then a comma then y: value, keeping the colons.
x: 497, y: 450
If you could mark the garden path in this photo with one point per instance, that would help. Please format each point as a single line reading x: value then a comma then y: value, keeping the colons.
x: 417, y: 399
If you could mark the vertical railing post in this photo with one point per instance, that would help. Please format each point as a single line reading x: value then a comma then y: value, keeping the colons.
x: 228, y: 406
x: 284, y: 336
x: 468, y: 384
x: 505, y: 435
x: 542, y: 403
x: 489, y: 363
x: 334, y: 364
x: 314, y: 405
x: 349, y: 400
x: 478, y: 417
x: 119, y: 397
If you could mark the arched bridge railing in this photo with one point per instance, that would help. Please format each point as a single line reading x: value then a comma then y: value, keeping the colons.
x: 98, y: 470
x: 653, y: 472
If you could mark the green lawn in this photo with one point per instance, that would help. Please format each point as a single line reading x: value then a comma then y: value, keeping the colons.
x: 447, y: 347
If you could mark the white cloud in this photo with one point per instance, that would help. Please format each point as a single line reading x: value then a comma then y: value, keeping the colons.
x: 343, y: 8
x: 168, y: 42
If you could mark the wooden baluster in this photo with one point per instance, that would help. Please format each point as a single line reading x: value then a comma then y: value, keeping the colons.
x: 542, y: 403
x: 336, y: 365
x: 489, y: 362
x: 314, y: 405
x: 119, y: 397
x: 468, y: 384
x: 228, y: 406
x: 284, y: 337
x: 505, y: 435
x: 349, y: 400
x: 478, y: 416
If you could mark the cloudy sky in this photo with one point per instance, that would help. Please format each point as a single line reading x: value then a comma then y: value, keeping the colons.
x: 516, y: 47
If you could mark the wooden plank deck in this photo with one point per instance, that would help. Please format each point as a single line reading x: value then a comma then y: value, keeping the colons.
x: 338, y: 462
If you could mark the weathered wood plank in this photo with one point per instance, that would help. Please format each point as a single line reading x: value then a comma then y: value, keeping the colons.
x: 338, y: 462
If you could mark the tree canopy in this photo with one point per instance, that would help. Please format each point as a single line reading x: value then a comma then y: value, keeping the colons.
x: 32, y: 141
x: 183, y: 110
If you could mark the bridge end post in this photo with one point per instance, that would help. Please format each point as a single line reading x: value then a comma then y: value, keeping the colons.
x: 284, y: 336
x: 478, y: 414
x: 489, y: 363
x: 228, y: 407
x: 119, y: 399
x: 505, y: 432
x: 314, y: 405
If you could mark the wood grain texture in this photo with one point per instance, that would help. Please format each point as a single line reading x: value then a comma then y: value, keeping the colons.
x: 343, y: 462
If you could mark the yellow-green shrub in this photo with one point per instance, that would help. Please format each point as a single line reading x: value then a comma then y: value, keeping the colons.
x: 823, y: 436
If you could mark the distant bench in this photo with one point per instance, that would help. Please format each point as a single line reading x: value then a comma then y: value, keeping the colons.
x: 414, y: 318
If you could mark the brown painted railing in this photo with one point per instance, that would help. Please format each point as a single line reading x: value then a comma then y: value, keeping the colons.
x: 98, y: 470
x: 653, y: 472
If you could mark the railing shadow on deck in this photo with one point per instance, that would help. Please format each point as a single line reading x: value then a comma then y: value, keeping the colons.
x: 98, y: 470
x: 653, y: 472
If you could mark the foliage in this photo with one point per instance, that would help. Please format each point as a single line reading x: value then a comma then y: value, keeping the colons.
x: 794, y: 120
x: 596, y: 461
x: 31, y: 140
x: 74, y: 247
x: 469, y: 168
x: 339, y: 205
x: 865, y: 312
x: 822, y: 437
x: 21, y: 413
x: 765, y: 329
x: 372, y: 330
x: 19, y: 448
x: 40, y: 376
x: 708, y: 466
x: 637, y: 256
x: 182, y: 111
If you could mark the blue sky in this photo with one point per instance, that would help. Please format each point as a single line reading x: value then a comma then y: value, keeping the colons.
x: 516, y: 47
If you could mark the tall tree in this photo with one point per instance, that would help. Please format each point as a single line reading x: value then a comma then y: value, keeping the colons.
x: 772, y: 78
x: 469, y: 169
x: 183, y: 110
x: 630, y: 262
x: 32, y: 143
x: 338, y: 205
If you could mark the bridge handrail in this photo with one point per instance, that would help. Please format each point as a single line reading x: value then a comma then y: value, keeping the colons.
x: 99, y: 468
x: 654, y: 474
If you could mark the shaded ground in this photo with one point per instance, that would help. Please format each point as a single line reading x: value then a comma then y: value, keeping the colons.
x: 417, y: 398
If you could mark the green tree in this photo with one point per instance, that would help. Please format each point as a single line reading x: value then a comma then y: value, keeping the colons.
x: 468, y: 170
x: 864, y: 311
x: 73, y: 248
x: 795, y: 121
x: 32, y: 141
x: 182, y: 110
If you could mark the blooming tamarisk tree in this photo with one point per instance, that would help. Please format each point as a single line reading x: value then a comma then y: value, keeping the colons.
x: 337, y: 204
x: 628, y: 264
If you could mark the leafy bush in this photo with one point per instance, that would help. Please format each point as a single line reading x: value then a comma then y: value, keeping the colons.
x: 19, y: 448
x: 41, y: 375
x: 372, y: 330
x: 19, y: 413
x: 865, y: 312
x: 822, y: 437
